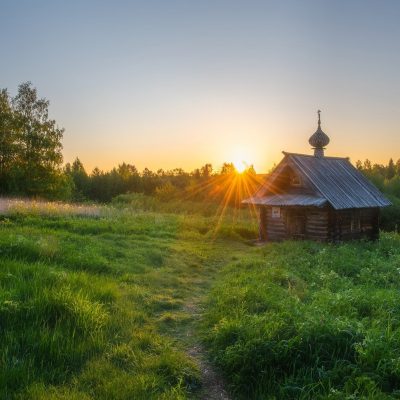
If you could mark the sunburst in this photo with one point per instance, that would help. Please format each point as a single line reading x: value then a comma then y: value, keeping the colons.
x: 240, y: 165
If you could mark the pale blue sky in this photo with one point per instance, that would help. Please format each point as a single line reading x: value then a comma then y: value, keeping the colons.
x: 181, y: 83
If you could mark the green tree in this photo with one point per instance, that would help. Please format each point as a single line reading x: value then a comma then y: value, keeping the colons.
x: 150, y: 181
x: 40, y: 148
x: 196, y: 173
x: 228, y: 169
x: 129, y: 178
x: 398, y: 167
x: 390, y: 170
x: 206, y: 170
x: 80, y: 179
x: 8, y: 143
x: 250, y: 171
x: 367, y: 165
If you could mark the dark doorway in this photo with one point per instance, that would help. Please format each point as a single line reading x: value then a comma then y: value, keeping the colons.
x: 297, y: 225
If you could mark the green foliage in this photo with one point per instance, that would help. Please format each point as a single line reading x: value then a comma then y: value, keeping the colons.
x: 201, y: 184
x: 166, y: 192
x: 390, y: 216
x: 8, y: 140
x: 30, y: 146
x: 387, y: 179
x: 309, y: 321
x: 141, y: 202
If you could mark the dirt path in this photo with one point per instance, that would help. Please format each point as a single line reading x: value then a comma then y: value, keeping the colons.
x: 213, y: 385
x: 208, y: 258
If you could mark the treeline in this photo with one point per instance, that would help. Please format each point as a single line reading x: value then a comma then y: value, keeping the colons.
x: 31, y: 164
x: 200, y: 184
x: 387, y: 179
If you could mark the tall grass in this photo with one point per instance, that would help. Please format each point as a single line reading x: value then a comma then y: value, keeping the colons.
x: 97, y: 307
x: 91, y: 308
x: 309, y: 321
x: 41, y: 207
x: 77, y: 300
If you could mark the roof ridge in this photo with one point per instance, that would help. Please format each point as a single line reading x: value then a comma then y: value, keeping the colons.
x: 286, y: 153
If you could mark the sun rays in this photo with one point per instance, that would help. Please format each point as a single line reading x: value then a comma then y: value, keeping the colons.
x: 227, y: 189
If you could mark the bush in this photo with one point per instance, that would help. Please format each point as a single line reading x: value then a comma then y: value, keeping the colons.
x: 390, y: 216
x: 166, y: 192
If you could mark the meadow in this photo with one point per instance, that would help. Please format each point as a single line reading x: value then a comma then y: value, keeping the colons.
x: 302, y: 320
x: 102, y: 306
x: 130, y: 301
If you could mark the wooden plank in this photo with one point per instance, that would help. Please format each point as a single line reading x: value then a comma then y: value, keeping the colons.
x: 316, y: 227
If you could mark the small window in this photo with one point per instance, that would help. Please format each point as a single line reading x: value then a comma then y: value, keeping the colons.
x: 295, y: 180
x: 276, y: 212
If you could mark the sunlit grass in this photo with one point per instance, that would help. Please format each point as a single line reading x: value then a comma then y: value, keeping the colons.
x: 96, y: 308
x: 41, y: 207
x: 302, y: 320
x: 91, y: 308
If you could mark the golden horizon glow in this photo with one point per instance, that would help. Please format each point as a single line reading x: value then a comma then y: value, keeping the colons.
x: 240, y: 157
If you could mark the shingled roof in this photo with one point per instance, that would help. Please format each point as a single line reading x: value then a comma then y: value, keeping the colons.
x: 332, y: 178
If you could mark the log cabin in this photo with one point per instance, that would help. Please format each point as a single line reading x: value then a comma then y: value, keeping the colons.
x: 316, y: 197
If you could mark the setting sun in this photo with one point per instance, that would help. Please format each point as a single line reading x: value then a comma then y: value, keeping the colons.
x: 241, y: 158
x: 240, y: 165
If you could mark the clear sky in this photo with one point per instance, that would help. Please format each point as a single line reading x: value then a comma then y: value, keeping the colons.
x: 178, y: 83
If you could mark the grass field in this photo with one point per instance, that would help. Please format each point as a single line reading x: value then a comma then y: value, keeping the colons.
x: 100, y: 307
x: 309, y: 321
x: 130, y: 301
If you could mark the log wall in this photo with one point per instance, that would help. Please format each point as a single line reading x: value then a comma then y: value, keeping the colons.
x: 276, y: 228
x: 321, y: 224
x: 356, y: 224
x: 318, y: 224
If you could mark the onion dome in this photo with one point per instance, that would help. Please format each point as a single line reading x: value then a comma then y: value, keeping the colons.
x: 319, y: 139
